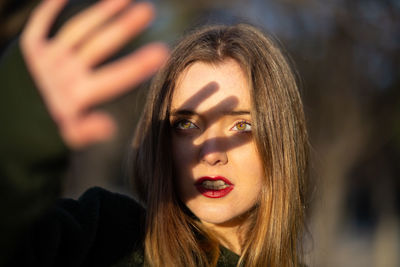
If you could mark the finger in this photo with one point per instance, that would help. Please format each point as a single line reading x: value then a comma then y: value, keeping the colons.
x: 107, y: 40
x: 94, y: 127
x: 80, y: 26
x: 41, y: 20
x: 116, y: 78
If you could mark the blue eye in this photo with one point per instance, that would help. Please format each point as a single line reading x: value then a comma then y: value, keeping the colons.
x: 242, y: 126
x: 184, y: 125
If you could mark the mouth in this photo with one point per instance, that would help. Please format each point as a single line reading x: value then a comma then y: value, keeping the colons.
x: 214, y: 187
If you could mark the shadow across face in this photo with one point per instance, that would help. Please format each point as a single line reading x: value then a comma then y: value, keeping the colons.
x: 212, y: 143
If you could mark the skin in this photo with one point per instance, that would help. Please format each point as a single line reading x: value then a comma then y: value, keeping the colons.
x: 210, y: 140
x: 63, y: 67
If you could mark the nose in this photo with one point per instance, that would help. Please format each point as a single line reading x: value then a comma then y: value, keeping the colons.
x: 212, y: 151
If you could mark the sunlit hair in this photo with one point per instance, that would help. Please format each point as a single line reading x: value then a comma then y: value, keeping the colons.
x: 173, y: 236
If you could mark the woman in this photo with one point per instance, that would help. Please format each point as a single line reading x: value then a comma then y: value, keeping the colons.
x: 219, y: 156
x: 225, y: 105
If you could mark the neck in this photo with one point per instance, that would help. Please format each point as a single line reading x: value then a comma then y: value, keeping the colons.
x: 230, y: 234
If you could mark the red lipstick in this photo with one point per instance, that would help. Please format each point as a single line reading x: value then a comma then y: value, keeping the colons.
x: 214, y: 187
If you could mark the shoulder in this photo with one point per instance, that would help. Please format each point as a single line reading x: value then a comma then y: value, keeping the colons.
x: 101, y: 226
x: 120, y: 226
x: 100, y: 204
x: 111, y: 216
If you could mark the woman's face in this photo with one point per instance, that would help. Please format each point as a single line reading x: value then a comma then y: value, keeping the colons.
x: 217, y: 166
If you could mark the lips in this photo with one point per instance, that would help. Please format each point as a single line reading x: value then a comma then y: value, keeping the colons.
x: 214, y: 187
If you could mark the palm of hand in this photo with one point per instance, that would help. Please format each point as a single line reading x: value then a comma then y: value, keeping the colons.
x: 63, y: 67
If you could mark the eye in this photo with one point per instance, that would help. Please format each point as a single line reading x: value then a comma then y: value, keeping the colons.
x: 184, y: 125
x: 242, y: 126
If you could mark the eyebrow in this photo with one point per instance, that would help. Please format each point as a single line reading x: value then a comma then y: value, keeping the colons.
x: 187, y: 112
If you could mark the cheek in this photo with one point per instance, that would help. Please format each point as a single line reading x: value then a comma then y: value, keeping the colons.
x: 249, y: 158
x: 248, y: 165
x: 184, y: 160
x: 184, y: 154
x: 257, y: 169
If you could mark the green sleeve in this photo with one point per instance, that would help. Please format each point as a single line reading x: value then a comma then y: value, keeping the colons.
x: 32, y: 153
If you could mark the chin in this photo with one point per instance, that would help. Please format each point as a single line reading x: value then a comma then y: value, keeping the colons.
x: 217, y: 220
x: 214, y: 215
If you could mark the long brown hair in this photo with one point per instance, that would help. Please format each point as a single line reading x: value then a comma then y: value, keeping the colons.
x: 173, y: 237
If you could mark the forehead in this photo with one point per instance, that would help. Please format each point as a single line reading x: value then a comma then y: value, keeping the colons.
x: 203, y: 86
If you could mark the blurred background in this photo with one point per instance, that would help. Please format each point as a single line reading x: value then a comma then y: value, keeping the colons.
x: 347, y: 55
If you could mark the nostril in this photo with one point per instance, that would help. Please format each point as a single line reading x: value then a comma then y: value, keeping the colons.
x: 214, y: 158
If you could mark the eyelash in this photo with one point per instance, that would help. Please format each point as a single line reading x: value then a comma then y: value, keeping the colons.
x: 179, y: 126
x: 247, y: 124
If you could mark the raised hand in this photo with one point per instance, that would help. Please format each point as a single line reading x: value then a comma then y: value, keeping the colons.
x: 63, y: 66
